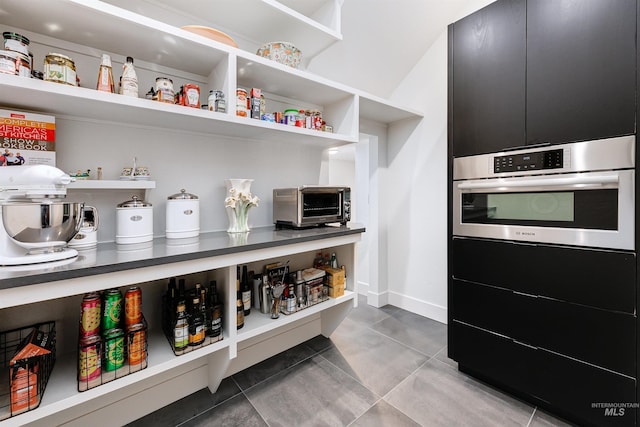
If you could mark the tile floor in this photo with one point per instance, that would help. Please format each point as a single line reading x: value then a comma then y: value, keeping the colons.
x: 381, y: 367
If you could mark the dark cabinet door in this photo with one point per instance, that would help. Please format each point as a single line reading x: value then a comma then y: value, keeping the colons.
x: 581, y: 69
x: 488, y: 78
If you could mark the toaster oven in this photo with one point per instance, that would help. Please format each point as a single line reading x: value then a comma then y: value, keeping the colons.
x: 311, y: 206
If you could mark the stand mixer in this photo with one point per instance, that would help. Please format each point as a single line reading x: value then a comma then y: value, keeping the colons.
x: 36, y: 226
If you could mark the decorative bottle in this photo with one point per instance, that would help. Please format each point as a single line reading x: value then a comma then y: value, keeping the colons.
x: 129, y: 79
x: 105, y: 75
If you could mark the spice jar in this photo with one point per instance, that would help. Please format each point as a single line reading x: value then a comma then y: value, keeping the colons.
x: 60, y: 69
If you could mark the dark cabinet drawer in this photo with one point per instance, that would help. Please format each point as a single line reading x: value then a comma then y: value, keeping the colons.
x: 598, y: 278
x: 600, y: 337
x: 567, y: 387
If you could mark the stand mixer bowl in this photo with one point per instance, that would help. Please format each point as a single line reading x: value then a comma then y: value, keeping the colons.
x: 42, y: 227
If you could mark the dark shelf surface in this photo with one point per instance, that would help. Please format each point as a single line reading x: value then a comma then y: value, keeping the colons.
x: 110, y: 257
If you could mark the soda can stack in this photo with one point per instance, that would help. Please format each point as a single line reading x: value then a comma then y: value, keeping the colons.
x: 112, y: 340
x: 135, y: 328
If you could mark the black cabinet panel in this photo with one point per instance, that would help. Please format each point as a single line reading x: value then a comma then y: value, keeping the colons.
x: 581, y: 69
x: 569, y: 388
x: 601, y: 337
x: 488, y: 69
x: 598, y: 278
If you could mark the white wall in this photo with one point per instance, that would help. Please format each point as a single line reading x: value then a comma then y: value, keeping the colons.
x: 196, y: 162
x: 415, y: 189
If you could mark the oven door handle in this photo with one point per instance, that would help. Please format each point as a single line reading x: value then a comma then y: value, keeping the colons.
x: 579, y: 181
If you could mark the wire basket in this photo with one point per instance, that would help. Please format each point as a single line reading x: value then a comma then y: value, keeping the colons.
x: 25, y: 368
x: 102, y: 359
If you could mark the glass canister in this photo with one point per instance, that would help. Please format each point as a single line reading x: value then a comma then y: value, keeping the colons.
x: 60, y: 69
x: 16, y: 42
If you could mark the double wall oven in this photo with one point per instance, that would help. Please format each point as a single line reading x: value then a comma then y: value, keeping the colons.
x: 542, y: 286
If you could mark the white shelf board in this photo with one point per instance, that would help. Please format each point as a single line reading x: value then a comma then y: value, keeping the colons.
x: 62, y: 392
x: 59, y: 99
x: 383, y: 111
x: 258, y: 21
x: 108, y: 28
x: 94, y: 184
x: 262, y: 323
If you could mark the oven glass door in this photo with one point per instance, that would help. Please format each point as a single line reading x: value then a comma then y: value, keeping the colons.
x: 592, y: 208
x: 321, y: 204
x: 586, y: 209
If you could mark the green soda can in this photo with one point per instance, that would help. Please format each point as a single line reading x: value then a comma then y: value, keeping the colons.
x: 111, y: 309
x: 114, y: 353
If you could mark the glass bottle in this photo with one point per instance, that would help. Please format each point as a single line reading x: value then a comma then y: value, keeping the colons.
x: 181, y: 328
x: 196, y: 324
x: 105, y: 75
x: 215, y: 310
x: 203, y: 310
x: 246, y: 292
x: 334, y: 261
x: 239, y: 304
x: 129, y: 82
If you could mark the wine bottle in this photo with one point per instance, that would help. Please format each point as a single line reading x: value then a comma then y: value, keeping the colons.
x: 246, y: 292
x: 215, y: 312
x: 239, y: 304
x: 181, y: 328
x: 196, y: 324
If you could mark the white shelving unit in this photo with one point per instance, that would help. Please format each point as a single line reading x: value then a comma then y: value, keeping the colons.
x: 110, y: 184
x: 149, y: 31
x: 260, y: 338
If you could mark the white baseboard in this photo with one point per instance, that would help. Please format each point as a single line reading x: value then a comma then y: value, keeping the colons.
x: 363, y: 288
x: 414, y: 305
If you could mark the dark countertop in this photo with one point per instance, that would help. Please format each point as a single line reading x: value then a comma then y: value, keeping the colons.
x: 109, y: 257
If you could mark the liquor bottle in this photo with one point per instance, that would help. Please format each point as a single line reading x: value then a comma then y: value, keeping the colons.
x: 239, y: 304
x: 203, y: 310
x: 246, y: 292
x: 181, y: 328
x: 196, y: 323
x: 170, y: 304
x: 129, y: 79
x: 181, y: 293
x: 215, y: 310
x: 105, y: 75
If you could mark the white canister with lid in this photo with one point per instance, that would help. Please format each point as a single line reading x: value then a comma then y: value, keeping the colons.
x: 183, y: 215
x: 134, y: 221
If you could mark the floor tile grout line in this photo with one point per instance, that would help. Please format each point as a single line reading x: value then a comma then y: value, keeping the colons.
x: 535, y: 408
x: 405, y: 345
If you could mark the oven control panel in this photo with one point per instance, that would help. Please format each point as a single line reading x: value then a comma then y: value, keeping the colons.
x: 552, y: 159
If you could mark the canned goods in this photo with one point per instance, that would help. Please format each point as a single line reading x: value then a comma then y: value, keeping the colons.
x: 191, y: 95
x: 90, y: 315
x: 289, y: 117
x: 133, y: 306
x: 112, y: 309
x: 89, y: 360
x: 164, y: 90
x: 8, y: 60
x: 241, y: 102
x: 60, y: 69
x: 16, y: 42
x: 216, y: 101
x: 136, y: 348
x: 113, y: 349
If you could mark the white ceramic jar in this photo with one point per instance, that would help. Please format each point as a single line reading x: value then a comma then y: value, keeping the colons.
x: 183, y: 215
x: 134, y: 221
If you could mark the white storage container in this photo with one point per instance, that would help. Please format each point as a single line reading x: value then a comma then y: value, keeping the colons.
x: 183, y: 215
x: 134, y: 221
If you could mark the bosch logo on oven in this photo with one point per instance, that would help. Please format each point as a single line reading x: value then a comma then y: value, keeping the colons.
x: 525, y: 233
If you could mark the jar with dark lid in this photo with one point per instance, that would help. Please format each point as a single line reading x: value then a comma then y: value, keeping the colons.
x: 16, y: 42
x: 182, y: 215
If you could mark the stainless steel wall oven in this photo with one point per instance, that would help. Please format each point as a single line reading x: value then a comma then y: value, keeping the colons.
x: 578, y: 194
